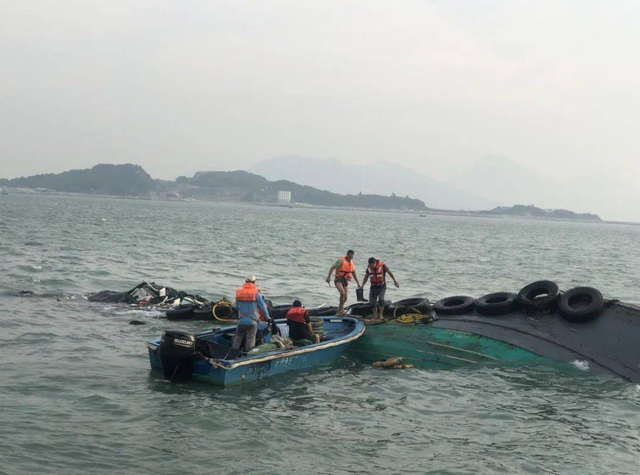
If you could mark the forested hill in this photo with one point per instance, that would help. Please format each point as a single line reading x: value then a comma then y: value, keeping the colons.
x: 119, y: 180
x: 533, y: 211
x: 241, y: 186
x: 255, y: 188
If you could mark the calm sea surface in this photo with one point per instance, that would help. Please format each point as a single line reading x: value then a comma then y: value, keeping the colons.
x: 76, y: 394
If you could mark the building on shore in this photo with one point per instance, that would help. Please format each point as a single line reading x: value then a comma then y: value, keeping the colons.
x: 284, y: 197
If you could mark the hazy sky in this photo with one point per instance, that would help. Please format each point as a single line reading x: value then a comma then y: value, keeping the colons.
x: 181, y: 86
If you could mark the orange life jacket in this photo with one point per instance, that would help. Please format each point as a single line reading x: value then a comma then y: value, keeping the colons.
x: 346, y: 269
x: 297, y: 314
x: 376, y: 276
x: 247, y: 293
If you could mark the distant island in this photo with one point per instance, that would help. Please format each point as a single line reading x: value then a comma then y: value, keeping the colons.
x: 130, y: 180
x: 534, y: 212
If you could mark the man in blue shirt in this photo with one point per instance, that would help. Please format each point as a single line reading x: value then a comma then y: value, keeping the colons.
x: 248, y: 301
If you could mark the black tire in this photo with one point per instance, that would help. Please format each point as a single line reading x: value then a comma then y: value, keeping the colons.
x: 322, y: 311
x: 225, y: 312
x: 581, y: 304
x: 457, y: 305
x: 181, y: 312
x: 541, y: 295
x: 203, y: 313
x: 361, y: 309
x: 499, y: 303
x: 401, y: 307
x: 279, y: 311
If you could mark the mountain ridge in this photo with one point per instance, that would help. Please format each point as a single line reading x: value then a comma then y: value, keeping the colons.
x: 333, y: 175
x: 239, y: 185
x: 243, y: 186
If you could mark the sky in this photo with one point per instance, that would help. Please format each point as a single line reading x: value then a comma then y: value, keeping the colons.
x: 182, y: 86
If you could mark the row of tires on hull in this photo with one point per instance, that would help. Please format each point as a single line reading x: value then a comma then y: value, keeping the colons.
x: 579, y: 304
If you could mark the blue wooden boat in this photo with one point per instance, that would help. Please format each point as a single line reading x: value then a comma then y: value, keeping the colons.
x: 208, y: 356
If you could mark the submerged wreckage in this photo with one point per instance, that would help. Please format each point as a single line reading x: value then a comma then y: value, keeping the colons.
x: 538, y: 325
x: 181, y: 306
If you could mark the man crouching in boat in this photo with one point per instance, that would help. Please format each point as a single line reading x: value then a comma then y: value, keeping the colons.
x: 300, y: 324
x: 345, y: 270
x: 248, y: 300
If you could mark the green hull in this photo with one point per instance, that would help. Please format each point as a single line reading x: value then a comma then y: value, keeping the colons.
x: 436, y: 348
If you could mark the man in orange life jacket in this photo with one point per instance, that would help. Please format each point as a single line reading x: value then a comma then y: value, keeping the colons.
x: 299, y: 324
x: 248, y: 301
x: 345, y: 270
x: 376, y: 271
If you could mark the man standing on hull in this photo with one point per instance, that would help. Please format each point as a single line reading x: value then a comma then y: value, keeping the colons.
x: 345, y: 270
x: 248, y: 300
x: 376, y: 271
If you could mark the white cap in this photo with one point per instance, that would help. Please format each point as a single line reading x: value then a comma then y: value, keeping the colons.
x: 251, y: 278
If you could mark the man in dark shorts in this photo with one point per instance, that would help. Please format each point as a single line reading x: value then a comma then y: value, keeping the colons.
x: 376, y: 271
x: 345, y: 269
x: 299, y: 324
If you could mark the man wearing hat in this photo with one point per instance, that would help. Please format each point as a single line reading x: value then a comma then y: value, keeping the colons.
x: 248, y: 300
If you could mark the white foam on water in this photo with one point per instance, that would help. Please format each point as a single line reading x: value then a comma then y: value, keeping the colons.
x: 581, y: 365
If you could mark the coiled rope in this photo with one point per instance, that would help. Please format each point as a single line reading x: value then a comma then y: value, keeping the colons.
x: 413, y: 316
x: 224, y: 304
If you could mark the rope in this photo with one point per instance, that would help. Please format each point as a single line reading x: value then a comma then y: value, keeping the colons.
x: 413, y: 317
x: 223, y: 304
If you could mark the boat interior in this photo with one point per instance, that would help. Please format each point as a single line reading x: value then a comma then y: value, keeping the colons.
x: 216, y: 343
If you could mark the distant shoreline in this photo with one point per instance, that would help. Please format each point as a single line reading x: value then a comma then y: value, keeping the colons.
x: 430, y: 212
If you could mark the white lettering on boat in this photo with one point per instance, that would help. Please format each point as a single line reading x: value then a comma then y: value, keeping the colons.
x: 183, y: 342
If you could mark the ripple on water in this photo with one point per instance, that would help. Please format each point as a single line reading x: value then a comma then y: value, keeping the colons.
x: 78, y: 397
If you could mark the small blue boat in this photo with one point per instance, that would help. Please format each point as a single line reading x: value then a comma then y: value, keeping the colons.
x: 208, y: 356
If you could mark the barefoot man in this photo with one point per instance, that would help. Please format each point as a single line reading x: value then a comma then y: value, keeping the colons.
x: 345, y: 269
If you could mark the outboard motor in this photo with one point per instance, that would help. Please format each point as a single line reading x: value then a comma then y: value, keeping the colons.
x: 178, y: 354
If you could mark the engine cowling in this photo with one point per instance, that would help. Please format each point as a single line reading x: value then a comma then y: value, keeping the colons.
x: 177, y: 353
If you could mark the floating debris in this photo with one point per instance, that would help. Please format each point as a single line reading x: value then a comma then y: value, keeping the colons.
x: 392, y: 363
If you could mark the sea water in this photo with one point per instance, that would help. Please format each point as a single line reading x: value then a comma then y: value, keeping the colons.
x: 77, y: 396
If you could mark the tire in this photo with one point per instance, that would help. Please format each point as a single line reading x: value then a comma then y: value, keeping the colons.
x: 279, y: 311
x: 571, y: 310
x: 361, y: 309
x: 322, y: 311
x: 401, y: 307
x: 224, y: 312
x: 181, y: 312
x: 541, y: 295
x: 457, y: 305
x: 317, y: 325
x: 499, y: 303
x: 203, y: 313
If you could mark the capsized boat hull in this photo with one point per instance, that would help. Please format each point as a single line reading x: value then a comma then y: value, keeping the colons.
x: 427, y: 347
x: 250, y: 368
x: 610, y: 343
